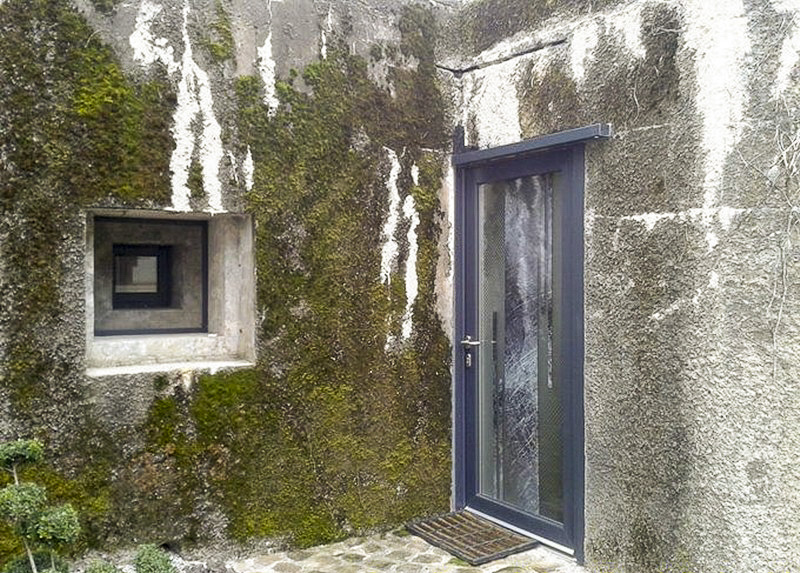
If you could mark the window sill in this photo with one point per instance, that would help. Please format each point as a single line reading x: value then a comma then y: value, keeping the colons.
x: 212, y: 367
x: 160, y: 352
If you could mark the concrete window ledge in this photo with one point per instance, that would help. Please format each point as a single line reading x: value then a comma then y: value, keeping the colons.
x: 212, y: 367
x: 130, y: 354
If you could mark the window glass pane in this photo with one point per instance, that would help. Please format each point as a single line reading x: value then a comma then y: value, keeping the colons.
x: 135, y: 274
x: 519, y: 445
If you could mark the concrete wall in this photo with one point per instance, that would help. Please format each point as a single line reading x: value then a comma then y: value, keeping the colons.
x: 691, y: 385
x: 312, y: 137
x: 328, y: 122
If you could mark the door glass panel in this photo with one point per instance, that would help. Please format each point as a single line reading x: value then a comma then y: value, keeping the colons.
x: 519, y: 409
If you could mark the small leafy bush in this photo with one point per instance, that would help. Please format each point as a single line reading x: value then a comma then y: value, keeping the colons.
x: 43, y: 562
x: 56, y: 526
x: 100, y: 566
x: 43, y: 529
x: 21, y: 502
x: 151, y: 559
x: 19, y: 452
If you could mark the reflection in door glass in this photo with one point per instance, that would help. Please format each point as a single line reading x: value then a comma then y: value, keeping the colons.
x: 518, y: 406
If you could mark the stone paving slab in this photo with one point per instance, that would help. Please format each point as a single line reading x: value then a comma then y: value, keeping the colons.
x: 397, y: 552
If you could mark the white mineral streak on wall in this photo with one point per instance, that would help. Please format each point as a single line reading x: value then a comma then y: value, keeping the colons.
x: 390, y: 248
x: 790, y: 51
x: 194, y: 99
x: 628, y: 24
x: 146, y: 48
x: 324, y: 34
x: 649, y: 220
x: 582, y: 45
x: 248, y: 169
x: 412, y: 285
x: 232, y: 160
x: 444, y: 288
x: 671, y: 309
x: 716, y: 32
x: 585, y: 33
x: 725, y: 215
x: 490, y: 96
x: 266, y: 67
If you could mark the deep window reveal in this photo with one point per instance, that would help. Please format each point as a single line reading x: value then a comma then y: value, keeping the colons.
x: 150, y: 276
x: 142, y: 276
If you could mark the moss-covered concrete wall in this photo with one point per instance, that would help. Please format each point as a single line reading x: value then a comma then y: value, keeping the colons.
x: 691, y: 384
x: 326, y: 125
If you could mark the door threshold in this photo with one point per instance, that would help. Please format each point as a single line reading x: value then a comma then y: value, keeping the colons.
x: 514, y: 528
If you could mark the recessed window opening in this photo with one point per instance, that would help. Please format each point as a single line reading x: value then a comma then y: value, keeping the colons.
x: 167, y: 290
x: 142, y: 276
x: 150, y: 276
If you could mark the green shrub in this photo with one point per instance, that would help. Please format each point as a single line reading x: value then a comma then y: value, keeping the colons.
x: 57, y: 526
x: 43, y: 562
x: 19, y: 503
x: 18, y: 452
x: 23, y: 506
x: 151, y: 559
x: 101, y: 566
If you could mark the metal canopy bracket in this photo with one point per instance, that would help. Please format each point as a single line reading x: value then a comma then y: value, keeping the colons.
x: 463, y: 156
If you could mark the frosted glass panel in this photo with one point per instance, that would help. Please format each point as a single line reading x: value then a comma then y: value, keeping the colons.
x: 519, y: 413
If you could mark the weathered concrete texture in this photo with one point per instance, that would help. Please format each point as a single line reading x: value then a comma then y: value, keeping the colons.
x: 297, y: 113
x: 328, y: 122
x: 690, y: 387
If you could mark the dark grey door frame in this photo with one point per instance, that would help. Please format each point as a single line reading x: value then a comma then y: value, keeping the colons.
x: 562, y: 152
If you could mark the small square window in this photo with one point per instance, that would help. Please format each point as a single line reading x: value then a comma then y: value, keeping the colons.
x: 150, y: 276
x: 142, y: 276
x: 167, y: 290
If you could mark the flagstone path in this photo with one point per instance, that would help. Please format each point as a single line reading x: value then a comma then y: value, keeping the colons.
x: 397, y: 552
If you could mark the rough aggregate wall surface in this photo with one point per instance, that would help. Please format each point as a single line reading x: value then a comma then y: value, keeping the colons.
x: 691, y: 379
x: 343, y: 425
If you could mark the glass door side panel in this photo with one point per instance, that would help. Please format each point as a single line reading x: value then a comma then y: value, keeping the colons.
x: 518, y: 406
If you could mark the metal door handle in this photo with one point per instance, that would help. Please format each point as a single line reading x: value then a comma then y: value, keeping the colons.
x: 468, y: 343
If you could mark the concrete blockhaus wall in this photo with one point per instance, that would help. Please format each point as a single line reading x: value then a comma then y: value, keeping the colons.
x: 329, y: 124
x: 322, y: 123
x: 691, y: 321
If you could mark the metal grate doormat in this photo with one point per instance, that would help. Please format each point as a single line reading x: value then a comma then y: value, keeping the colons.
x: 471, y: 538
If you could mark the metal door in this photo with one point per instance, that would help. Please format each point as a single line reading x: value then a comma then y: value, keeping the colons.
x: 519, y: 328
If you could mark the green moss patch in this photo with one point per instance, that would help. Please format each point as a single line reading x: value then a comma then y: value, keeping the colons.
x: 343, y: 425
x: 76, y: 132
x: 360, y: 434
x: 219, y: 37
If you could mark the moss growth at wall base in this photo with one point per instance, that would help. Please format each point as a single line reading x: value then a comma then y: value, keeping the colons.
x: 360, y: 427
